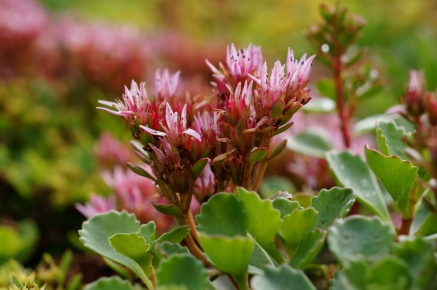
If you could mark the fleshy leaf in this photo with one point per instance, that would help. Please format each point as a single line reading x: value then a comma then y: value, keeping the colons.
x: 360, y: 237
x: 168, y: 209
x: 140, y: 171
x: 285, y: 206
x: 389, y: 273
x: 229, y: 254
x: 283, y: 277
x: 110, y: 283
x: 389, y: 139
x: 182, y: 270
x: 418, y: 254
x: 259, y: 260
x: 331, y: 205
x: 352, y: 276
x: 429, y: 226
x: 222, y: 214
x: 308, y: 249
x: 258, y: 154
x: 309, y: 143
x: 95, y: 235
x: 174, y: 236
x: 148, y: 232
x: 168, y: 249
x: 134, y: 247
x: 199, y: 166
x: 351, y: 171
x: 397, y: 176
x: 278, y: 149
x: 263, y: 221
x: 296, y: 227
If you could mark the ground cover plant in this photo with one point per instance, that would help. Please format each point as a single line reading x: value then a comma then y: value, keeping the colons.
x: 265, y: 183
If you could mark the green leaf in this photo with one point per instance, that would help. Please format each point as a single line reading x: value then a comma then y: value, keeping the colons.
x: 429, y: 226
x: 326, y: 88
x: 285, y: 206
x: 418, y: 255
x: 351, y: 171
x: 148, y: 232
x: 258, y: 154
x: 389, y: 273
x: 308, y: 249
x: 95, y: 235
x: 397, y: 176
x: 174, y: 236
x: 296, y: 227
x: 389, y: 139
x: 278, y: 149
x: 110, y: 283
x: 134, y: 247
x: 331, y: 205
x: 222, y: 214
x: 263, y: 221
x: 168, y: 249
x: 228, y: 254
x: 352, y: 276
x: 311, y: 143
x: 259, y: 260
x: 140, y: 171
x: 360, y: 237
x: 168, y: 209
x: 367, y: 124
x: 320, y: 105
x: 182, y: 270
x: 199, y: 166
x: 283, y: 277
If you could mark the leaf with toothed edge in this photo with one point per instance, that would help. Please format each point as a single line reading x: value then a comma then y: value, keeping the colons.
x: 332, y: 204
x: 109, y: 283
x: 282, y: 277
x: 351, y: 171
x: 308, y: 249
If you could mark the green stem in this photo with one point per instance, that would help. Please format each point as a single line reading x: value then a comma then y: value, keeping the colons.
x: 261, y: 169
x: 241, y: 281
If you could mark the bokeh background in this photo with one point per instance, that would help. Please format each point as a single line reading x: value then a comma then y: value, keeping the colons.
x: 57, y: 58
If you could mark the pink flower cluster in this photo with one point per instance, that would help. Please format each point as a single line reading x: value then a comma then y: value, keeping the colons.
x: 231, y: 132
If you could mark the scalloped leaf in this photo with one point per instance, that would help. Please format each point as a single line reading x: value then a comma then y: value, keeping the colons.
x: 308, y: 249
x: 389, y: 273
x: 110, y: 283
x: 331, y: 205
x: 397, y: 176
x: 229, y: 254
x: 418, y: 255
x: 95, y: 235
x: 174, y: 236
x: 285, y: 206
x: 167, y: 249
x: 296, y: 226
x: 389, y: 139
x: 148, y: 232
x: 259, y: 260
x: 135, y: 247
x: 311, y: 143
x: 168, y: 209
x: 351, y: 277
x: 222, y: 214
x: 263, y: 221
x: 351, y: 171
x: 182, y: 270
x: 283, y: 277
x: 360, y: 237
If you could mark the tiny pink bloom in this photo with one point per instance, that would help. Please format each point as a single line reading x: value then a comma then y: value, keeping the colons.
x: 166, y: 86
x: 243, y: 62
x: 299, y: 70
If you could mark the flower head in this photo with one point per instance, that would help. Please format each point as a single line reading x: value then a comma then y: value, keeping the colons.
x: 166, y: 86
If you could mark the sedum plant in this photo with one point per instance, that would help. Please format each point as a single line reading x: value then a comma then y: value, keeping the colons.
x: 214, y: 150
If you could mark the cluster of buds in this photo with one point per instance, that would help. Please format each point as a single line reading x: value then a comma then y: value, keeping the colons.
x: 229, y: 136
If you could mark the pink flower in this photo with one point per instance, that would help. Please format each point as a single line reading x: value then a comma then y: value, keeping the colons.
x: 111, y: 152
x: 97, y: 204
x: 134, y: 107
x: 166, y: 86
x: 240, y: 103
x: 298, y: 69
x: 243, y: 62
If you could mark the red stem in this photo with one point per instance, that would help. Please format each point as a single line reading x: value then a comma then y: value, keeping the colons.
x: 405, y: 227
x: 337, y: 67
